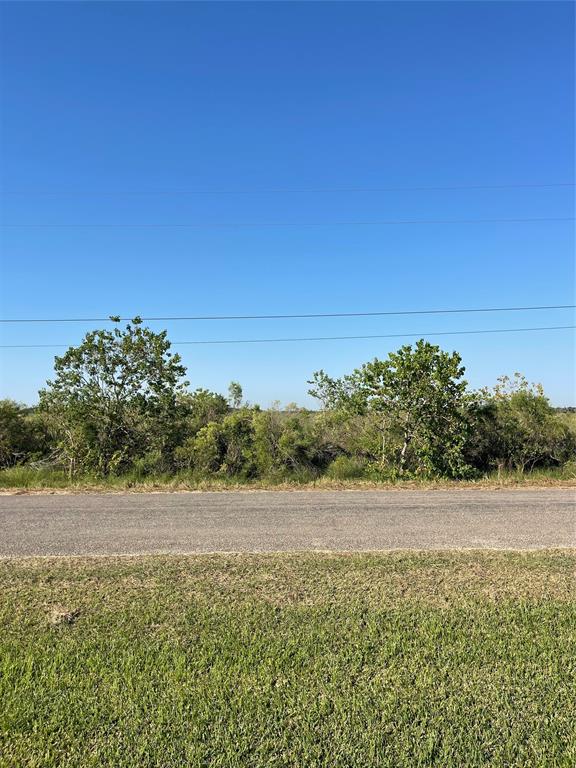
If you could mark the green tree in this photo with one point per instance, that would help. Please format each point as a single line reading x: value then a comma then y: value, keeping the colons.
x: 205, y: 452
x: 226, y: 447
x: 21, y: 435
x: 518, y: 428
x: 297, y: 444
x: 286, y: 442
x: 238, y: 430
x: 267, y: 433
x: 115, y: 398
x: 202, y: 407
x: 418, y: 399
x: 235, y: 394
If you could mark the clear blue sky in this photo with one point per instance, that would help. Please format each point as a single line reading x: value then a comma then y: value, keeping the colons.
x: 191, y: 113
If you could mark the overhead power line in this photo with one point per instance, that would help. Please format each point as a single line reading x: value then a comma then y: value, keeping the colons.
x: 267, y: 225
x: 300, y: 190
x: 308, y: 315
x: 327, y: 338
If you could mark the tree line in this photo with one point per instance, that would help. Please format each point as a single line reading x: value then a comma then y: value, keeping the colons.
x: 120, y: 403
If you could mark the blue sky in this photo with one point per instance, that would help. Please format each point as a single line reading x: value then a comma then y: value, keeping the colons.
x: 254, y: 121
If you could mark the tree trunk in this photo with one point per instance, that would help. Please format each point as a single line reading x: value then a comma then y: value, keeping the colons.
x: 403, y: 453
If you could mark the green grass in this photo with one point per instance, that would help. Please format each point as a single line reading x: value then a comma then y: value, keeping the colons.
x: 304, y: 660
x: 29, y: 479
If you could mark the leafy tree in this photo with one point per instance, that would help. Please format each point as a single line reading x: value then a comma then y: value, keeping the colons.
x: 341, y: 432
x: 267, y: 433
x: 21, y: 434
x: 206, y: 450
x: 287, y: 442
x: 297, y: 445
x: 483, y: 441
x: 115, y: 397
x: 226, y: 447
x: 418, y: 396
x: 238, y: 430
x: 235, y: 394
x: 202, y: 407
x: 519, y: 427
x: 118, y: 402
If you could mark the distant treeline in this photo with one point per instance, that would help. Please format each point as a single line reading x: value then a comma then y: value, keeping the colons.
x: 119, y: 403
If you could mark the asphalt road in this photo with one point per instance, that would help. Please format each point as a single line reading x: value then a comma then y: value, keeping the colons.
x: 95, y: 524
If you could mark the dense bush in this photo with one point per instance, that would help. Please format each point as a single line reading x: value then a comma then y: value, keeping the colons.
x: 515, y: 427
x: 118, y: 404
x: 114, y: 399
x: 346, y: 468
x: 416, y: 400
x: 23, y: 435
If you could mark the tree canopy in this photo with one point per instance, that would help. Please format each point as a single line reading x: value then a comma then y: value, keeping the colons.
x: 115, y: 396
x: 419, y: 395
x: 119, y: 404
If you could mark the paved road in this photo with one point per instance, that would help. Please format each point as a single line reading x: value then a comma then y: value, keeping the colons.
x: 268, y: 521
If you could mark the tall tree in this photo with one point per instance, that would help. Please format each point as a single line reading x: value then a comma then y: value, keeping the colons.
x: 115, y: 397
x: 417, y: 397
x: 235, y: 394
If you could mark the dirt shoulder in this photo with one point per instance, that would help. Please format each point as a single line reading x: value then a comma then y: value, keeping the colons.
x: 321, y: 485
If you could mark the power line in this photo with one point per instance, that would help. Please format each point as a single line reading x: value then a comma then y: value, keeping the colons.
x: 327, y: 338
x: 304, y: 190
x: 379, y: 336
x: 267, y: 225
x: 309, y: 315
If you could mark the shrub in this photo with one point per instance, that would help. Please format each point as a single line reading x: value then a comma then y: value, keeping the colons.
x: 518, y: 428
x: 23, y: 435
x: 207, y: 449
x: 152, y: 463
x: 346, y: 468
x: 202, y: 407
x: 238, y: 435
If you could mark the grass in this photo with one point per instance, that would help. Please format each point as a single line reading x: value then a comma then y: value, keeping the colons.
x: 294, y: 660
x: 46, y: 479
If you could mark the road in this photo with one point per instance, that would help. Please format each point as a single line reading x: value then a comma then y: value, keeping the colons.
x: 98, y: 524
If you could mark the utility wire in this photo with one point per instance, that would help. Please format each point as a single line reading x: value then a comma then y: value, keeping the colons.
x: 302, y: 190
x: 327, y: 338
x: 265, y: 225
x: 293, y: 316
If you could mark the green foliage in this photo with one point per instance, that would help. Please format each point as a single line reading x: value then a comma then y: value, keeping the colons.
x: 225, y: 447
x: 267, y: 433
x: 350, y: 434
x: 207, y: 448
x: 23, y: 435
x: 346, y: 468
x: 417, y: 397
x: 118, y: 406
x: 202, y: 407
x: 238, y: 433
x: 297, y: 446
x: 288, y: 443
x: 115, y: 398
x: 14, y: 434
x: 235, y: 394
x: 518, y: 427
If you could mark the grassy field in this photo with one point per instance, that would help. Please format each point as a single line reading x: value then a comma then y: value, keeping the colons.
x: 304, y: 660
x: 28, y: 479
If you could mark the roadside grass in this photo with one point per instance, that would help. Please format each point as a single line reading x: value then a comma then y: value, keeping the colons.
x: 341, y: 661
x: 46, y: 479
